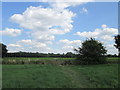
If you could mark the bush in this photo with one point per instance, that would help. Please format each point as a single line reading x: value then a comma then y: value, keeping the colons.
x: 117, y: 43
x: 3, y: 50
x: 91, y: 52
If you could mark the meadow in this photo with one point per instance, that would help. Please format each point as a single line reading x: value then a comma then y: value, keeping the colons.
x: 36, y: 58
x: 59, y: 76
x: 49, y: 76
x: 49, y: 58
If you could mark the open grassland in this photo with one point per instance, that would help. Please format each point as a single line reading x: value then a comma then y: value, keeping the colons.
x: 49, y: 58
x: 113, y: 58
x: 57, y: 76
x: 36, y: 58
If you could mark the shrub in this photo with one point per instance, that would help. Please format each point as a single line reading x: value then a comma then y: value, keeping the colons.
x: 91, y: 52
x: 3, y: 50
x: 117, y: 43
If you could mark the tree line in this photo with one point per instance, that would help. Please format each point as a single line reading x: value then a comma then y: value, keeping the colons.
x: 4, y: 53
x: 31, y: 54
x: 90, y: 52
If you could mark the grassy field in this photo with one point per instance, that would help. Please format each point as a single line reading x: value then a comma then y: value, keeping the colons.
x: 54, y: 76
x: 113, y: 58
x: 36, y: 58
x: 48, y: 58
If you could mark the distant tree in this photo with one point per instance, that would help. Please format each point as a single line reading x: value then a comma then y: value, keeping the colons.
x: 109, y: 55
x: 117, y: 43
x: 114, y: 55
x: 3, y: 50
x: 91, y: 52
x: 69, y: 54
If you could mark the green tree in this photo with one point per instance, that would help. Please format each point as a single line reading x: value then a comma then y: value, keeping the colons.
x: 91, y: 52
x: 3, y: 50
x: 69, y: 54
x: 117, y: 43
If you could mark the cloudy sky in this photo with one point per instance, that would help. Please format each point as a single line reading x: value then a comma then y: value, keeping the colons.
x: 58, y: 27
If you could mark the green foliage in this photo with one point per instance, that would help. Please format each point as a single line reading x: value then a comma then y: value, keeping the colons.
x: 37, y: 54
x: 117, y: 43
x: 70, y: 54
x: 91, y: 52
x: 3, y: 50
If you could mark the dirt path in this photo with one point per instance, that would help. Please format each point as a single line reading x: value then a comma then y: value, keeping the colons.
x: 74, y: 76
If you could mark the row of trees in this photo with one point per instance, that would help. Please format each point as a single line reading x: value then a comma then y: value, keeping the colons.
x: 30, y: 54
x: 91, y: 52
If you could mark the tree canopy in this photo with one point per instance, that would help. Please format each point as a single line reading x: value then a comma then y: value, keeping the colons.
x: 91, y: 52
x: 117, y: 43
x: 3, y: 50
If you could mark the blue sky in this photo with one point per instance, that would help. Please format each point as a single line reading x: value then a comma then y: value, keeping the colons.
x: 80, y: 21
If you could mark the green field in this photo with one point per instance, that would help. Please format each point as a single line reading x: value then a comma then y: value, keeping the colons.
x: 36, y: 58
x: 48, y: 58
x: 113, y: 58
x: 59, y: 76
x: 54, y: 76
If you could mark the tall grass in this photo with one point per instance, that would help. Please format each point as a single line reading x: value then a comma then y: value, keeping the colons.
x: 48, y: 60
x: 52, y: 76
x: 35, y: 58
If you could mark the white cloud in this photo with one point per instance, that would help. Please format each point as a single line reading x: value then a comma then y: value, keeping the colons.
x: 111, y: 49
x: 33, y: 43
x: 28, y: 41
x: 105, y: 33
x: 68, y: 46
x: 107, y: 37
x: 84, y: 10
x: 45, y: 22
x: 104, y: 26
x: 11, y: 32
x: 87, y: 34
x: 56, y: 19
x: 74, y: 42
x: 13, y: 45
x: 29, y: 46
x: 62, y: 4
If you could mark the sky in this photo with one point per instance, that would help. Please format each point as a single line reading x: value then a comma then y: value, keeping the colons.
x: 58, y: 27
